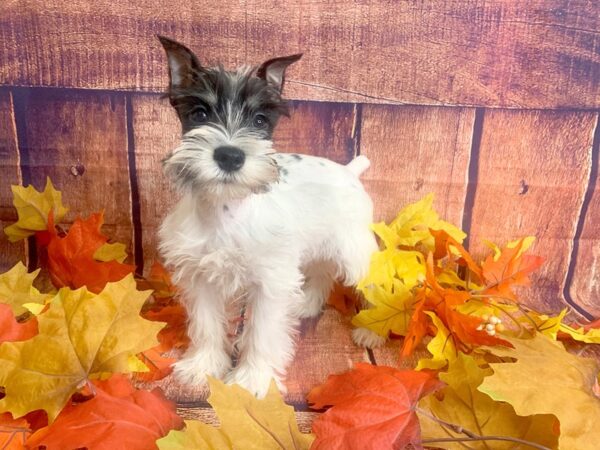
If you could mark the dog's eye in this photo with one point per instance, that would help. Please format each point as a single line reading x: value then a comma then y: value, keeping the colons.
x: 261, y: 121
x: 199, y: 115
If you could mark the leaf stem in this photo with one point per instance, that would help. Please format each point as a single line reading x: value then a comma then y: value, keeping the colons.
x: 471, y: 436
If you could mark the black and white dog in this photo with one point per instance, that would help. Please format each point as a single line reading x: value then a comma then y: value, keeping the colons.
x: 273, y: 230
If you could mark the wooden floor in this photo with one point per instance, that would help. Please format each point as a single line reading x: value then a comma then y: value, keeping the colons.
x: 324, y: 347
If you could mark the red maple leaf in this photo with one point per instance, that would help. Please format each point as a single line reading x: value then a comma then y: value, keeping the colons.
x: 71, y: 258
x: 372, y: 407
x: 118, y: 416
x: 11, y: 330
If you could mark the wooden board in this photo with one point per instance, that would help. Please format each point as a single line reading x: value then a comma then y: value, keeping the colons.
x: 79, y: 140
x: 521, y: 53
x: 585, y: 285
x: 322, y: 129
x: 10, y: 173
x: 533, y: 170
x: 324, y: 347
x: 156, y: 132
x: 414, y: 151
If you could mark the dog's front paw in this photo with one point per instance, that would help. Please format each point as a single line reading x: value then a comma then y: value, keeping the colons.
x: 367, y: 338
x: 194, y: 368
x: 255, y: 380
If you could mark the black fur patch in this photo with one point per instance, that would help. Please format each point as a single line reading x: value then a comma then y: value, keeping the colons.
x: 221, y: 96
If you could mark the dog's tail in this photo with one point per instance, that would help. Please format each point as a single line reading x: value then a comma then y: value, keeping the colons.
x: 358, y: 165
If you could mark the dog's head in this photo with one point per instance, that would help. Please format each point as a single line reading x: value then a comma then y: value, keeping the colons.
x: 227, y: 118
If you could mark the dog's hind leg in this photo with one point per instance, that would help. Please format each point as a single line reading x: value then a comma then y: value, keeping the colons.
x: 318, y: 283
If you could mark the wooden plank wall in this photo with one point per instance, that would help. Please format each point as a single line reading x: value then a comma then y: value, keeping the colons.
x: 491, y: 105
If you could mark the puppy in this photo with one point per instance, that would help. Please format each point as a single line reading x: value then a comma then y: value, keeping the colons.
x: 272, y: 230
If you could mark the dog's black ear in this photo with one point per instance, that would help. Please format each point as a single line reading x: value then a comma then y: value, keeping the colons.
x: 273, y: 70
x: 184, y: 67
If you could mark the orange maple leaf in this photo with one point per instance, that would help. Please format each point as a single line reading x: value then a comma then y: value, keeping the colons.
x: 174, y: 334
x: 160, y: 366
x: 118, y: 416
x: 511, y: 268
x: 159, y: 280
x: 447, y: 246
x: 344, y: 299
x: 71, y: 258
x: 13, y: 432
x: 372, y: 407
x: 444, y: 302
x: 11, y: 330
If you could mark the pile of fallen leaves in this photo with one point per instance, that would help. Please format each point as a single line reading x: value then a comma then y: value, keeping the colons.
x: 497, y: 376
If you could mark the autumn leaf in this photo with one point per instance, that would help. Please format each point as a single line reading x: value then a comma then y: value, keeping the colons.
x: 13, y: 432
x: 71, y: 258
x: 174, y: 333
x: 196, y: 435
x: 159, y: 281
x: 462, y: 404
x: 11, y: 330
x: 372, y: 407
x: 344, y: 299
x: 509, y: 268
x: 441, y: 347
x: 389, y: 311
x: 246, y: 422
x: 546, y: 379
x: 411, y: 226
x: 81, y: 335
x: 118, y: 416
x: 157, y: 365
x: 33, y: 208
x: 16, y: 289
x: 111, y: 252
x: 445, y: 303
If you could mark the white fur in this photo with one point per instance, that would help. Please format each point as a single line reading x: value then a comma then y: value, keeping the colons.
x: 278, y: 250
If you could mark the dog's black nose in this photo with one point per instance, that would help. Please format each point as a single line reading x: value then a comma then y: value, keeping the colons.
x: 229, y: 158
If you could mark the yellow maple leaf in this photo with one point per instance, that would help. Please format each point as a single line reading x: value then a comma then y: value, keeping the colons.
x: 441, y: 347
x: 390, y: 310
x: 464, y: 405
x: 33, y: 208
x: 81, y: 336
x: 525, y: 243
x: 412, y: 225
x: 16, y: 289
x: 111, y: 252
x: 579, y: 334
x: 246, y: 422
x: 546, y: 379
x: 390, y: 265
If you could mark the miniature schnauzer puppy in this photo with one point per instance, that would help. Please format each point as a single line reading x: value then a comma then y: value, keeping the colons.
x: 271, y: 229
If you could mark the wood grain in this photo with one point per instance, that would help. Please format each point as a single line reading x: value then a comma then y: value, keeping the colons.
x: 156, y: 132
x: 10, y: 173
x: 321, y: 129
x: 585, y: 286
x: 324, y: 347
x: 533, y: 170
x: 413, y: 151
x: 498, y: 53
x: 79, y: 140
